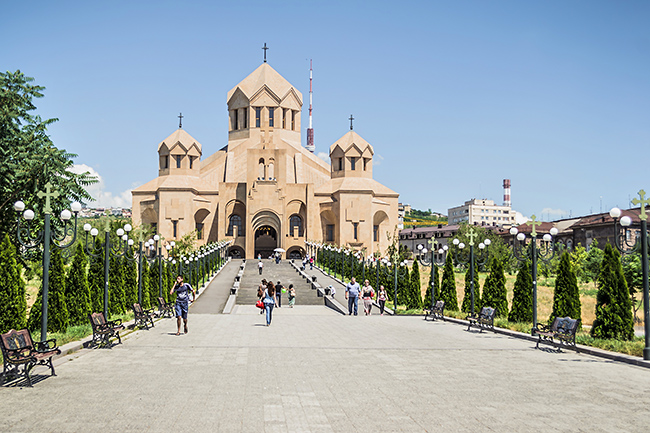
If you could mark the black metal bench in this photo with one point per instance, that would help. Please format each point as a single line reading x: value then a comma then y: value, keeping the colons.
x: 436, y: 312
x: 143, y: 318
x: 20, y: 352
x: 561, y: 333
x: 104, y: 329
x: 165, y: 309
x: 484, y: 319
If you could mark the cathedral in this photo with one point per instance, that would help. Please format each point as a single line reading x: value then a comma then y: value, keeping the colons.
x: 265, y: 190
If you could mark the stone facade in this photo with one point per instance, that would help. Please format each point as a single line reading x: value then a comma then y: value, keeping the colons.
x: 264, y: 190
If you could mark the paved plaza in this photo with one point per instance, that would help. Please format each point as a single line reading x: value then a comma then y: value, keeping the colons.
x: 314, y: 370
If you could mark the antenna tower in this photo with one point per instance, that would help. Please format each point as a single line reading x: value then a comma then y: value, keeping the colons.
x: 310, y: 131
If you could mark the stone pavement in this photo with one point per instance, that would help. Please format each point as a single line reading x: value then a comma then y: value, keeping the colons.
x: 314, y: 370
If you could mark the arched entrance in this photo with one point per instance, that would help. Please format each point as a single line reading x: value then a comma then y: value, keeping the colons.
x: 266, y: 240
x: 236, y: 252
x: 296, y: 253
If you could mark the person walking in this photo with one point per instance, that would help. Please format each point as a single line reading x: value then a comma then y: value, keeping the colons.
x: 260, y: 266
x: 292, y: 296
x: 381, y: 298
x: 278, y: 293
x: 352, y: 295
x: 367, y: 293
x: 182, y: 301
x: 269, y: 302
x: 311, y: 263
x: 260, y: 293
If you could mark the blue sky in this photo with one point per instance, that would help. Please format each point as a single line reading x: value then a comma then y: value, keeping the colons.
x: 454, y: 96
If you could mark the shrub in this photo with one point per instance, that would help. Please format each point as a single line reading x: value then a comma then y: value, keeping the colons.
x: 77, y: 293
x: 448, y: 286
x: 57, y: 312
x: 566, y: 297
x: 522, y: 300
x: 13, y: 304
x: 494, y: 289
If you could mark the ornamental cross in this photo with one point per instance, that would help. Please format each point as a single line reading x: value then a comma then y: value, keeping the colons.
x: 264, y: 48
x: 47, y: 194
x: 180, y: 121
x: 432, y: 242
x: 534, y: 223
x: 643, y: 202
x: 471, y: 235
x: 351, y: 119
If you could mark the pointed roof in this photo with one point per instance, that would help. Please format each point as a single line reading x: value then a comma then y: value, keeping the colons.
x: 264, y: 75
x: 182, y: 137
x: 350, y: 139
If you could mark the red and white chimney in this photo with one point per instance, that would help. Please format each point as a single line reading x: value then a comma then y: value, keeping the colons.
x: 506, y: 192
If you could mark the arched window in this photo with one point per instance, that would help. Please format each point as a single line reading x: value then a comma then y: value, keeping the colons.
x: 235, y: 221
x: 270, y: 171
x: 262, y: 169
x: 295, y: 222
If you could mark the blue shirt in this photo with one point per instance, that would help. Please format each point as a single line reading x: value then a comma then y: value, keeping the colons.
x: 183, y: 292
x: 352, y: 289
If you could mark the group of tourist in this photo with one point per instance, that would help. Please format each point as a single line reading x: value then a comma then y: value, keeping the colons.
x: 270, y: 295
x: 367, y: 293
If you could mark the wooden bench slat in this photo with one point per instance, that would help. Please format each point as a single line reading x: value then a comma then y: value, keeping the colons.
x: 19, y: 350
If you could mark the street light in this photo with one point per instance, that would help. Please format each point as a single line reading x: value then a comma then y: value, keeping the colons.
x: 641, y: 246
x: 545, y: 252
x: 471, y: 235
x: 48, y: 236
x: 433, y: 261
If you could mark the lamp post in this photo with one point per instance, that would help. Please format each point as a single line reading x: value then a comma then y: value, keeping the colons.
x: 544, y: 252
x: 433, y: 261
x: 471, y: 235
x: 115, y: 250
x: 639, y: 246
x: 49, y: 236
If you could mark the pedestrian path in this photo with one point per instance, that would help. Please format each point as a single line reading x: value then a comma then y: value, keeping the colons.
x: 314, y: 370
x: 215, y: 295
x: 283, y: 272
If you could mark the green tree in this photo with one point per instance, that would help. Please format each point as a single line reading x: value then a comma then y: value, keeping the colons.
x: 96, y: 278
x: 522, y: 300
x: 77, y: 292
x: 13, y: 313
x: 154, y: 283
x: 130, y: 284
x: 415, y: 301
x: 634, y: 278
x: 578, y: 260
x: 115, y: 286
x: 494, y: 289
x: 146, y: 300
x: 613, y: 304
x: 566, y: 298
x: 448, y: 286
x: 57, y: 312
x: 467, y: 297
x: 436, y: 293
x: 29, y: 158
x: 592, y: 261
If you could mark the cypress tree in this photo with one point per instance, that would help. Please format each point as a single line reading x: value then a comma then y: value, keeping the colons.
x: 436, y: 279
x: 13, y: 310
x: 494, y: 290
x: 130, y: 284
x: 566, y: 297
x: 448, y: 286
x: 613, y: 305
x: 57, y: 312
x: 522, y: 300
x: 146, y: 301
x: 467, y: 297
x: 77, y: 293
x: 416, y: 290
x: 154, y: 283
x: 96, y: 278
x: 116, y: 286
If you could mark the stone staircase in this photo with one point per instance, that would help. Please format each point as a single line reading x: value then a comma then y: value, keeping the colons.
x: 284, y: 272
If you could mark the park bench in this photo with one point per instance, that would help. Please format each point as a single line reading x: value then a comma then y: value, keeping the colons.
x: 20, y: 352
x: 436, y: 312
x: 165, y: 309
x: 104, y: 329
x: 143, y: 318
x: 561, y: 333
x: 484, y: 319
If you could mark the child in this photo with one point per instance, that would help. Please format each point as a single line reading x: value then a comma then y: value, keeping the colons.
x: 292, y: 296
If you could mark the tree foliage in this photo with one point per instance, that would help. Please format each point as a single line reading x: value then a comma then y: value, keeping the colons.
x: 522, y: 300
x: 57, y: 311
x: 566, y: 298
x: 13, y: 305
x: 415, y: 298
x: 77, y: 292
x: 29, y: 158
x: 436, y: 285
x: 593, y: 261
x: 448, y: 286
x: 96, y: 278
x: 116, y: 299
x: 613, y: 305
x: 494, y: 289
